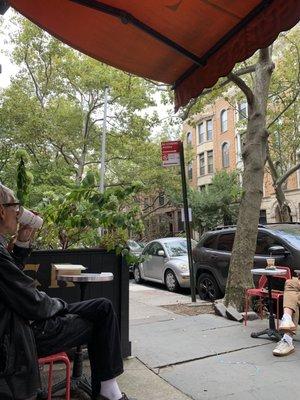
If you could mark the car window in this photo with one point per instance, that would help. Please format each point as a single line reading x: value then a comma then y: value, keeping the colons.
x: 176, y: 248
x: 148, y: 249
x: 133, y: 245
x: 264, y: 242
x: 225, y: 242
x: 155, y: 248
x: 289, y: 232
x: 210, y: 243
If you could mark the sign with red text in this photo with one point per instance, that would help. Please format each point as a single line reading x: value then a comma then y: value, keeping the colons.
x: 170, y: 152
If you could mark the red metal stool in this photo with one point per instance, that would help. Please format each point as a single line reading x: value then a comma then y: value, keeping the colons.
x: 51, y: 360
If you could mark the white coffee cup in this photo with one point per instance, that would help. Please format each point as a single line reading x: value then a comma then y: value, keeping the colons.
x: 28, y: 218
x: 270, y: 262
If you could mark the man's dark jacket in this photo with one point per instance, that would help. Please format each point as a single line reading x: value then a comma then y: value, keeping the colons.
x: 20, y: 303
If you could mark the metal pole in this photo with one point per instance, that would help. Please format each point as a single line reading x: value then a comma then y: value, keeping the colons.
x: 187, y: 224
x: 103, y: 143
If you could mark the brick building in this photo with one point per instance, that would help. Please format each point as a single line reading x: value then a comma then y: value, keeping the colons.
x: 216, y: 144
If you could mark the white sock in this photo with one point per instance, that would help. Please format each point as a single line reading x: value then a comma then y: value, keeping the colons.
x: 287, y: 338
x: 110, y: 389
x: 286, y: 317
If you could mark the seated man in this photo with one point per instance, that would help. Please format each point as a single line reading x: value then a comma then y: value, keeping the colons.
x: 290, y: 318
x: 33, y: 324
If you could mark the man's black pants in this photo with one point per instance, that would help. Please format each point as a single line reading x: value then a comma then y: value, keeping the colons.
x: 91, y: 322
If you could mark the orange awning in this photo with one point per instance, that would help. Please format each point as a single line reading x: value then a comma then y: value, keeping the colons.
x: 189, y: 44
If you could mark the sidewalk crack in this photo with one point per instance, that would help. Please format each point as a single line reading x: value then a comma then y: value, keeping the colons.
x: 161, y: 367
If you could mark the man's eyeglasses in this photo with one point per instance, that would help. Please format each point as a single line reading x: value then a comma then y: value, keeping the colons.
x: 15, y: 205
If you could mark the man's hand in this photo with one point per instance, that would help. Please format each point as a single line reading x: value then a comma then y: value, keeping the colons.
x: 25, y: 233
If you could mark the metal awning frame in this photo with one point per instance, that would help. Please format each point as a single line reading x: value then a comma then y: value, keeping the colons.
x: 198, y: 62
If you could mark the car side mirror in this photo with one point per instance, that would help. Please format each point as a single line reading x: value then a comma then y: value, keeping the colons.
x: 278, y: 251
x: 161, y: 253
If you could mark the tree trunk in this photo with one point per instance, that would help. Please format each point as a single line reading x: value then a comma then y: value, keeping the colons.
x: 284, y: 211
x: 82, y: 158
x: 254, y: 158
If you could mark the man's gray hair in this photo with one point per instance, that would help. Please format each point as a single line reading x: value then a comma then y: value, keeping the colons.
x: 6, y: 194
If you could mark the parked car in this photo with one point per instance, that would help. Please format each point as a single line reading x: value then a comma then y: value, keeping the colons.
x: 135, y: 249
x: 213, y: 252
x: 166, y: 261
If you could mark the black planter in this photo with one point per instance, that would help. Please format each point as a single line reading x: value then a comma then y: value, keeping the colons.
x: 39, y: 267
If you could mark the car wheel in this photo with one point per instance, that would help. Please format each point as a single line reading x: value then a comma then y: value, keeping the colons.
x: 208, y: 288
x: 171, y: 281
x: 137, y: 274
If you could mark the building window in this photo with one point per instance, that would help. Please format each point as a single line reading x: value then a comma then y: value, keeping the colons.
x: 202, y: 164
x: 201, y: 132
x: 201, y: 188
x: 225, y: 155
x: 180, y: 222
x: 210, y: 162
x: 243, y: 110
x: 161, y: 199
x: 224, y: 121
x: 189, y: 138
x: 263, y: 216
x: 190, y: 170
x: 209, y: 132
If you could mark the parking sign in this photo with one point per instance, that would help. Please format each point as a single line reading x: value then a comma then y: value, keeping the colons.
x: 170, y: 152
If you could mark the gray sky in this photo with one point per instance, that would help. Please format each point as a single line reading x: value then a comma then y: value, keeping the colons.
x: 9, y: 70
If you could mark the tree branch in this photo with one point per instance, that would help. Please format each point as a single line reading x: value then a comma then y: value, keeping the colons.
x: 285, y: 176
x: 264, y: 54
x: 274, y: 173
x: 168, y: 203
x: 239, y: 72
x: 36, y: 86
x: 285, y: 109
x: 243, y: 86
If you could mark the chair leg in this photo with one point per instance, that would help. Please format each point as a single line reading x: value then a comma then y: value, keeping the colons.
x: 50, y: 377
x: 246, y: 309
x: 68, y: 378
x: 277, y: 320
x: 260, y: 307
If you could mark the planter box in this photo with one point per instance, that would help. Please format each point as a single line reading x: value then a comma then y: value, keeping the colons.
x: 39, y: 267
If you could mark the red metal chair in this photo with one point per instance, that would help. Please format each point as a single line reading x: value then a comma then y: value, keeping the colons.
x: 62, y: 357
x: 255, y: 292
x: 262, y: 292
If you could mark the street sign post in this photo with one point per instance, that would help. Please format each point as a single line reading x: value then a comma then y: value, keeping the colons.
x: 172, y: 155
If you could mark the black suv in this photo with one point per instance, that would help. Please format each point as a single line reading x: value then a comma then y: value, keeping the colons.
x: 213, y: 252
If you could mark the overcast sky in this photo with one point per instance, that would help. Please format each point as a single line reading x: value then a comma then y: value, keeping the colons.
x: 9, y: 70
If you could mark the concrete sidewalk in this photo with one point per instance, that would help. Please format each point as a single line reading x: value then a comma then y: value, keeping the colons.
x: 203, y: 357
x: 206, y: 356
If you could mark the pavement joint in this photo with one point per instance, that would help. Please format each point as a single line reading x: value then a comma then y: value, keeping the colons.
x: 215, y: 354
x: 156, y: 371
x: 219, y: 327
x: 145, y: 321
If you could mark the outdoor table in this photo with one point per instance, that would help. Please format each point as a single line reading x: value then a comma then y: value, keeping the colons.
x: 78, y: 380
x: 269, y: 273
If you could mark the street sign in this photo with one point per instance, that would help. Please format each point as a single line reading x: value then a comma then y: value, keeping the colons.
x: 170, y: 152
x: 183, y: 216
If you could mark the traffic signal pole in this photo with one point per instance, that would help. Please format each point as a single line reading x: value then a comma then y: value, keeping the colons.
x: 187, y: 222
